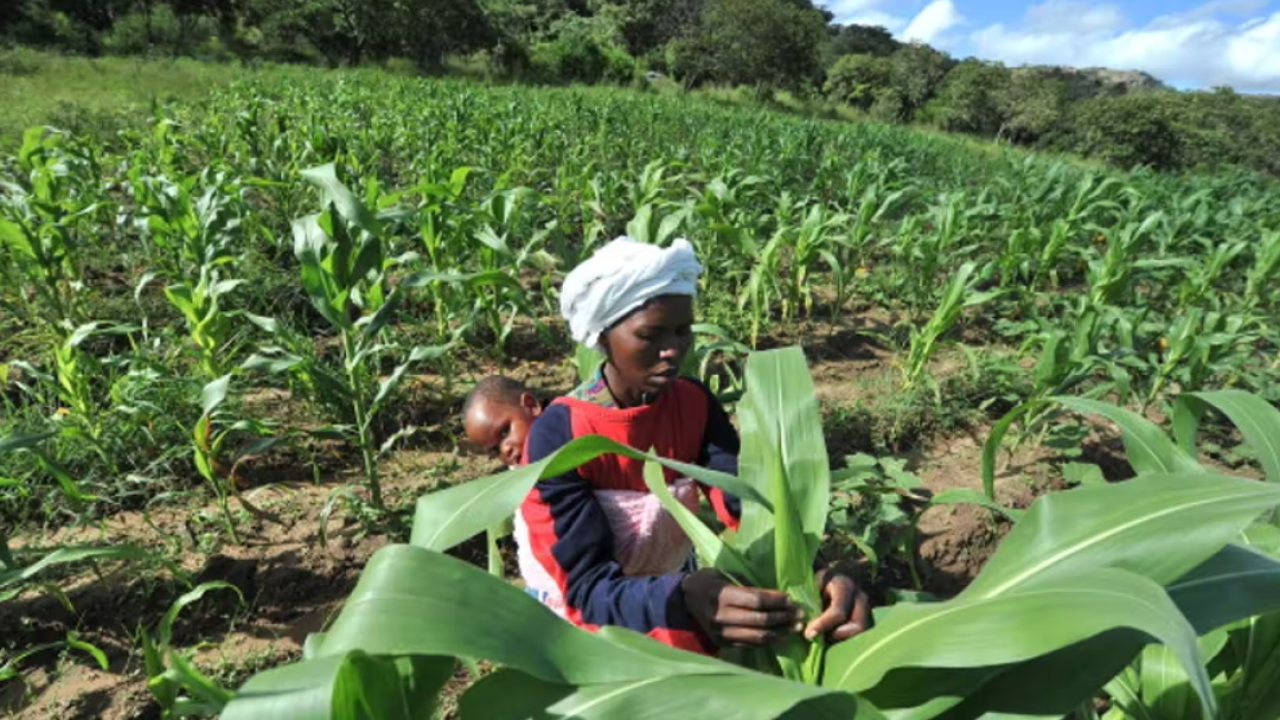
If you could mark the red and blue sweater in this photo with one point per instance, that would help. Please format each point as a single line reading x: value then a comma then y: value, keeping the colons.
x: 568, y: 533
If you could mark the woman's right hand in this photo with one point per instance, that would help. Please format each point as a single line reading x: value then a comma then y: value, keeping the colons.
x: 735, y: 615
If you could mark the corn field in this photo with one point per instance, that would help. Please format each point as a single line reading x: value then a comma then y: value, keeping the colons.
x: 299, y: 267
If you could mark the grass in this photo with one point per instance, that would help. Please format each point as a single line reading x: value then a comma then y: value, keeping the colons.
x: 98, y: 96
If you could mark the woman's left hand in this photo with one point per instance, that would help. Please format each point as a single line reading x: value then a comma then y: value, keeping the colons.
x: 848, y: 610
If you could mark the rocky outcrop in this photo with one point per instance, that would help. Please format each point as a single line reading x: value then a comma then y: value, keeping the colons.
x: 1098, y: 82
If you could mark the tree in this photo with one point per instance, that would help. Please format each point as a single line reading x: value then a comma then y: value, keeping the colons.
x: 916, y: 72
x: 857, y: 80
x: 646, y: 26
x: 430, y: 30
x: 862, y: 40
x: 753, y: 42
x: 1031, y: 104
x: 1131, y: 130
x: 968, y: 99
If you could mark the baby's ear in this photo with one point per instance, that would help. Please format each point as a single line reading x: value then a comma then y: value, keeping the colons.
x: 531, y: 404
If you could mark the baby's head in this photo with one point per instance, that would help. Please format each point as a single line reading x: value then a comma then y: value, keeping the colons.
x: 497, y: 416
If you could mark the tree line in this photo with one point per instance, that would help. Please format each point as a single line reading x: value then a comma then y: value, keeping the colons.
x: 763, y: 45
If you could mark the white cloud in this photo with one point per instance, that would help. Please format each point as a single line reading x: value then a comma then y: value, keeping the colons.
x: 1229, y: 42
x: 1072, y: 16
x: 899, y: 16
x: 868, y: 12
x: 938, y: 17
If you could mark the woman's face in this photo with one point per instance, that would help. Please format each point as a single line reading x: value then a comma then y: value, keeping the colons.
x: 647, y: 347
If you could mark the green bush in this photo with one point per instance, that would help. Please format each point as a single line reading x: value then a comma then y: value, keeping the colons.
x: 857, y: 80
x: 143, y: 33
x: 620, y: 68
x: 889, y: 107
x: 1130, y: 130
x: 570, y: 58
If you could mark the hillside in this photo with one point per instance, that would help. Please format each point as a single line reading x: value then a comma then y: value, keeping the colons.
x: 765, y: 45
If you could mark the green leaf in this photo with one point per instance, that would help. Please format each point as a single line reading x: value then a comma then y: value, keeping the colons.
x: 1260, y: 672
x: 1053, y: 613
x: 712, y: 551
x: 383, y: 316
x: 415, y: 602
x: 969, y: 496
x: 70, y: 487
x: 268, y: 324
x: 391, y: 688
x: 1148, y: 448
x: 1258, y: 421
x: 388, y: 386
x: 992, y: 446
x: 779, y: 414
x: 92, y: 650
x: 13, y: 443
x: 1083, y: 474
x: 309, y: 242
x: 449, y: 517
x: 508, y: 695
x: 272, y: 364
x: 299, y: 691
x: 180, y: 296
x: 1138, y: 525
x: 336, y: 193
x: 210, y: 697
x: 225, y: 286
x: 12, y: 235
x: 82, y: 333
x: 1234, y: 584
x: 164, y: 630
x: 14, y: 576
x: 468, y: 280
x: 9, y: 670
x: 214, y: 394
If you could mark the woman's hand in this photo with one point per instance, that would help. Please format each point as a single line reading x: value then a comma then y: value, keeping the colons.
x: 734, y: 615
x: 848, y: 610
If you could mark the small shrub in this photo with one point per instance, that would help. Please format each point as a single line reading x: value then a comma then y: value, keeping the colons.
x: 620, y: 67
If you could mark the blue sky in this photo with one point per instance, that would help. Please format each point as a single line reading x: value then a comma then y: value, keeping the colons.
x: 1186, y: 43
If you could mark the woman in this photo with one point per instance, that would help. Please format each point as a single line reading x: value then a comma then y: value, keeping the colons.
x: 595, y: 546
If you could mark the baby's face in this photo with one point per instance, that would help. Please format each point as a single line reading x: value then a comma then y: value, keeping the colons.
x: 500, y: 428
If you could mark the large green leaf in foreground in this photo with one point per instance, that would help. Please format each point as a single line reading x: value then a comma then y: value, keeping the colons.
x: 1138, y: 527
x: 419, y: 603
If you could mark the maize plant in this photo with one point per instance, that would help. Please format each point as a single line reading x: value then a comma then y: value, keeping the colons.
x: 170, y: 673
x: 209, y: 325
x: 210, y: 435
x: 1262, y: 275
x: 343, y: 257
x: 960, y: 293
x: 723, y: 208
x: 190, y: 223
x: 1071, y: 597
x: 45, y: 217
x: 1242, y: 657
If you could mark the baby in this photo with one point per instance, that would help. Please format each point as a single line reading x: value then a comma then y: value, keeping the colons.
x: 497, y: 415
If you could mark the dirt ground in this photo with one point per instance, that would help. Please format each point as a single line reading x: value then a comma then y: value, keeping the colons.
x: 293, y: 580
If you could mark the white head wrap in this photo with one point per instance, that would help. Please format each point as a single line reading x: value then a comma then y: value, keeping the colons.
x: 619, y: 278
